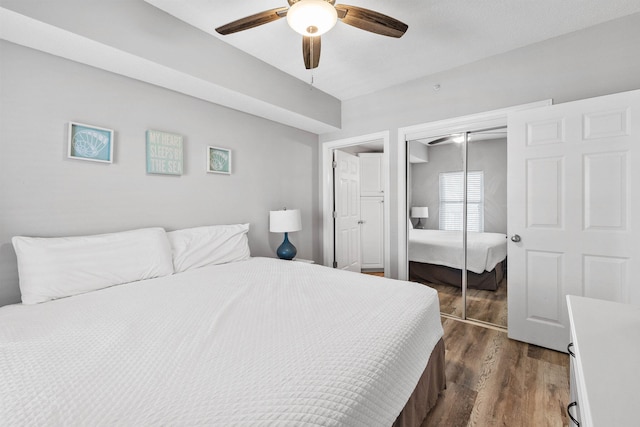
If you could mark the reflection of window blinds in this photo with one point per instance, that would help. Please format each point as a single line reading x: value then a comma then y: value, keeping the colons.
x: 452, y: 198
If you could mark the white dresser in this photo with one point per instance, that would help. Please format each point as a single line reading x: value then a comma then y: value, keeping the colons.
x: 605, y: 362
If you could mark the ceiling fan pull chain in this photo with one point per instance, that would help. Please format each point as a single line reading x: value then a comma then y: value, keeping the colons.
x: 311, y: 61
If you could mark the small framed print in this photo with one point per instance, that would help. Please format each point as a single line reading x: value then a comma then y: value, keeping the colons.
x: 164, y: 153
x: 219, y: 160
x: 91, y: 143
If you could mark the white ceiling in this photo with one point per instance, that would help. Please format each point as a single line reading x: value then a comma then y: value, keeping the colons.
x: 442, y: 34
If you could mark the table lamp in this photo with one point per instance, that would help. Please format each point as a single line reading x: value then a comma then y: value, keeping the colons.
x: 285, y: 221
x: 419, y: 212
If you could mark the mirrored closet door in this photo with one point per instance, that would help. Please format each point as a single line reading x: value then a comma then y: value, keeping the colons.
x: 457, y: 204
x: 435, y: 256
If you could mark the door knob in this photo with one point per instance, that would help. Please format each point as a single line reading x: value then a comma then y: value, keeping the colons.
x: 515, y: 238
x: 361, y: 222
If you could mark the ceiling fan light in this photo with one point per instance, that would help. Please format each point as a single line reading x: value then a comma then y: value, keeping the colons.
x: 312, y: 17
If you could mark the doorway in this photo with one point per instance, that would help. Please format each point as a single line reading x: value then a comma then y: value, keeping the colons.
x: 372, y: 145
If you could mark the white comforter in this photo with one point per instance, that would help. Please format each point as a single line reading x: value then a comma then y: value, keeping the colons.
x: 256, y: 342
x: 484, y: 250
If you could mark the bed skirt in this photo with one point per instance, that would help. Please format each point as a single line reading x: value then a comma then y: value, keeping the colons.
x: 442, y: 275
x: 425, y: 395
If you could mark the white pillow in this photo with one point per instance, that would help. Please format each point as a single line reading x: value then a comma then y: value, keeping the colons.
x: 51, y: 268
x: 215, y: 244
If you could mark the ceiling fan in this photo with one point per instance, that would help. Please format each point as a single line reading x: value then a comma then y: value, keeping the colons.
x: 312, y: 18
x: 473, y: 136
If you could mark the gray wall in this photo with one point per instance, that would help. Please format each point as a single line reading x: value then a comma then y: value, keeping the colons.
x: 151, y: 35
x: 43, y: 193
x: 596, y: 61
x: 489, y: 156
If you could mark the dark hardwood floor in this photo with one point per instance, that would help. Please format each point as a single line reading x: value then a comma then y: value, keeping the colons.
x: 495, y: 381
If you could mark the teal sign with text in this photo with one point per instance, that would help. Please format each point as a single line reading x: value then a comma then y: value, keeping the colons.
x: 164, y: 153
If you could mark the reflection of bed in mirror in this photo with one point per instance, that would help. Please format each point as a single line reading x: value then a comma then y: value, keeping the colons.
x: 436, y: 256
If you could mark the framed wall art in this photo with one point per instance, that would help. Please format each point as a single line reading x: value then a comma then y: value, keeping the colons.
x: 219, y: 160
x: 164, y: 153
x: 87, y: 142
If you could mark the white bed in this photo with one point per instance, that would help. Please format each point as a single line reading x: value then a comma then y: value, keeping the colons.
x: 437, y: 256
x: 484, y: 250
x: 253, y: 342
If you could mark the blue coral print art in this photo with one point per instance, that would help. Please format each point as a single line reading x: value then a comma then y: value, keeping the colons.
x: 90, y: 143
x: 219, y: 160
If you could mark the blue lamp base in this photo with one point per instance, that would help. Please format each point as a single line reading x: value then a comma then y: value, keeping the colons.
x: 286, y: 250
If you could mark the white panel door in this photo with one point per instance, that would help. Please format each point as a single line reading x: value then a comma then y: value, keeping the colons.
x: 372, y: 232
x: 574, y: 201
x: 347, y: 208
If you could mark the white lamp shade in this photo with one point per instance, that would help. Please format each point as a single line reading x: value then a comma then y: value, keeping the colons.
x: 419, y: 212
x: 285, y: 221
x: 312, y: 17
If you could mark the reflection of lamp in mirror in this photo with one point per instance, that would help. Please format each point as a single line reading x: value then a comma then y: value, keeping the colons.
x: 419, y: 212
x: 285, y: 221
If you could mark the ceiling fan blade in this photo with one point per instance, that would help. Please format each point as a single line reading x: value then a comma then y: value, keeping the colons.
x: 440, y: 140
x: 311, y: 51
x: 371, y: 21
x: 253, y: 21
